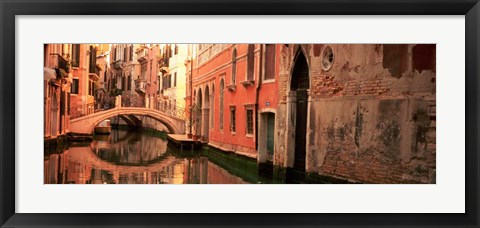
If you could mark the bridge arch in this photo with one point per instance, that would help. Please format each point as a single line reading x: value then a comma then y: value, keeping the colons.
x: 86, y: 124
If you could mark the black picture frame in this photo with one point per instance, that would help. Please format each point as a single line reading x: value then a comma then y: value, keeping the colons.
x: 10, y: 8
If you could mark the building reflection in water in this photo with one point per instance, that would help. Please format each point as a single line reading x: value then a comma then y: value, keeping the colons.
x: 126, y: 157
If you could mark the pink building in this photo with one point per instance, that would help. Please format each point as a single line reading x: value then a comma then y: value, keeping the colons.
x: 234, y: 97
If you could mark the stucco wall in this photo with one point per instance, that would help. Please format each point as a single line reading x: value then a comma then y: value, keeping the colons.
x: 364, y: 123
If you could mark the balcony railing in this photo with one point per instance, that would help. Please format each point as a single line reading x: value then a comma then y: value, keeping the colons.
x: 171, y: 110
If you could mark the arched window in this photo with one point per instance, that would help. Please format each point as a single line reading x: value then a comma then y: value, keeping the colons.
x: 212, y: 107
x: 221, y: 103
x: 234, y: 66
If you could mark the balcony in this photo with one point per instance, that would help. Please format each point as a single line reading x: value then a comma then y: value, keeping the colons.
x: 118, y: 64
x: 60, y: 64
x: 140, y: 86
x: 94, y: 72
x: 142, y: 55
x: 164, y: 70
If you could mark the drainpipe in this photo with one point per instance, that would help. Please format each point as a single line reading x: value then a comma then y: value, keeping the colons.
x: 259, y: 85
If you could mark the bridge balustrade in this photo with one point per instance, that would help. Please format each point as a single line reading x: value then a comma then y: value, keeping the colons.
x: 174, y: 110
x: 82, y: 110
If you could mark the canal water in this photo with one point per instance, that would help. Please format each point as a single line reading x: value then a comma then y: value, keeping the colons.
x: 145, y: 157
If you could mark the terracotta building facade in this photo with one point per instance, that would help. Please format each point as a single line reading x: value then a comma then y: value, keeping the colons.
x: 234, y: 97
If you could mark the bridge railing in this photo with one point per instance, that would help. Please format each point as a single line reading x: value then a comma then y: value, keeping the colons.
x: 169, y: 109
x: 173, y: 110
x: 82, y: 110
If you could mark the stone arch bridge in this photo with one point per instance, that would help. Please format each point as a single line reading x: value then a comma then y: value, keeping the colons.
x: 86, y: 124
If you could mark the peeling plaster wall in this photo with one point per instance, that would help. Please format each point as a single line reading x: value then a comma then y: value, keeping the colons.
x: 365, y: 124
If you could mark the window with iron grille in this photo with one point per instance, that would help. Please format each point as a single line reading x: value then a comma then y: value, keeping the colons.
x: 250, y: 121
x: 232, y: 119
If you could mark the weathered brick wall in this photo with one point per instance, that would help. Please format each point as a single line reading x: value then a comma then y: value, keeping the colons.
x: 372, y: 114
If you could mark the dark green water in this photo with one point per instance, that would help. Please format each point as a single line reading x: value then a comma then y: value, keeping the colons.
x: 143, y: 157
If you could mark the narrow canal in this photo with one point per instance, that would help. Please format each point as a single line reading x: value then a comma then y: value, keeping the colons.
x: 144, y: 157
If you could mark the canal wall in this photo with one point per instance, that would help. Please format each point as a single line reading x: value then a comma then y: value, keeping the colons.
x: 371, y: 112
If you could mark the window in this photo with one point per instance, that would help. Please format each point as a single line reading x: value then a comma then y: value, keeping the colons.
x: 221, y: 103
x: 68, y: 103
x: 74, y: 88
x: 269, y: 61
x: 114, y: 48
x: 169, y: 81
x: 250, y: 121
x: 129, y: 82
x: 75, y: 55
x: 175, y: 79
x: 125, y: 51
x: 234, y: 66
x: 143, y: 71
x: 93, y: 60
x: 212, y: 107
x: 150, y: 73
x: 176, y: 49
x: 232, y: 119
x: 123, y: 83
x: 89, y: 88
x: 131, y: 53
x: 250, y: 62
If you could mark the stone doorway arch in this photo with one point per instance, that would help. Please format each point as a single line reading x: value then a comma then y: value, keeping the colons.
x: 297, y: 112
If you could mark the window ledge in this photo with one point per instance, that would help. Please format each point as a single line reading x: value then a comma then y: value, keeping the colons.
x: 247, y: 83
x: 268, y: 81
x: 232, y: 88
x: 249, y: 135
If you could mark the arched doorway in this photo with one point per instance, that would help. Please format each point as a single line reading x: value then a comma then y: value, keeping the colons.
x: 299, y: 86
x: 206, y: 114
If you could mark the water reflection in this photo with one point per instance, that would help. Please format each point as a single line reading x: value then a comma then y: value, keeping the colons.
x: 137, y: 157
x: 129, y: 157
